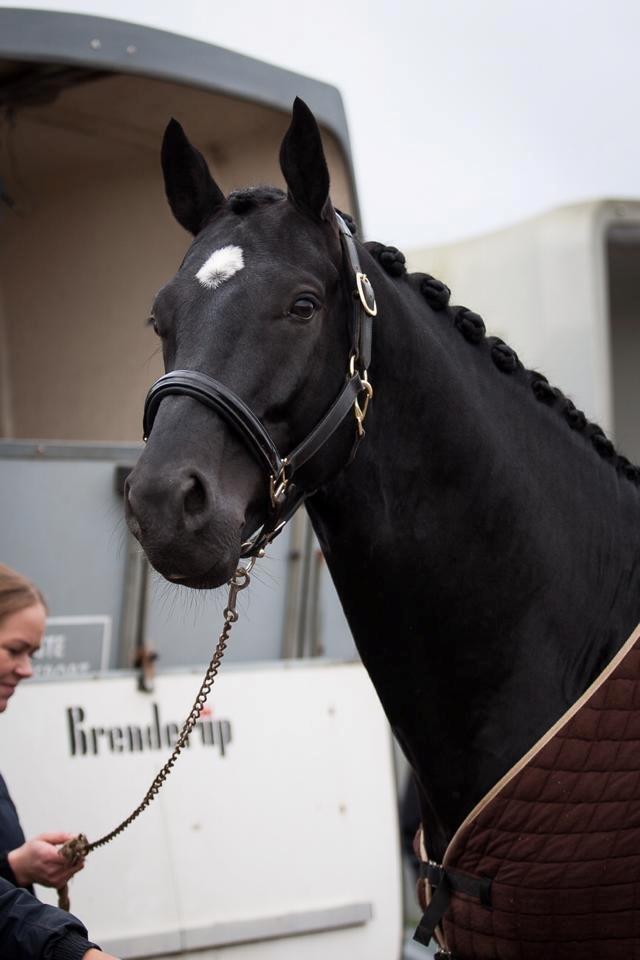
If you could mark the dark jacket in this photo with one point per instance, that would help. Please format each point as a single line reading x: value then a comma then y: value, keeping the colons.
x: 11, y: 835
x: 30, y: 930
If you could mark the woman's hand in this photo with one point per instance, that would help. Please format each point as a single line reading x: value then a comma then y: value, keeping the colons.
x: 38, y: 861
x: 94, y: 954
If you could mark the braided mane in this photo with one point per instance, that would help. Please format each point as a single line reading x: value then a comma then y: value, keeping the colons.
x: 472, y: 328
x: 470, y: 325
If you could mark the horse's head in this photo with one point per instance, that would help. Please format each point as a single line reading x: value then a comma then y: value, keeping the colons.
x: 261, y: 306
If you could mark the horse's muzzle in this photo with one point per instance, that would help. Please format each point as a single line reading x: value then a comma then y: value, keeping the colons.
x: 186, y: 537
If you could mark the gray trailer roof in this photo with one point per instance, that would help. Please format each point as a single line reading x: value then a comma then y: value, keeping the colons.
x: 98, y: 43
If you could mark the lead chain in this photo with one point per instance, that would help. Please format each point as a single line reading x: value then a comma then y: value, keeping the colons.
x: 78, y: 848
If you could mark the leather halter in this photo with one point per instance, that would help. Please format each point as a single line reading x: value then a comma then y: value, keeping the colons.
x: 285, y: 495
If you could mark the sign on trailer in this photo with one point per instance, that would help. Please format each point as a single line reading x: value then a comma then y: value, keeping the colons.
x: 275, y: 835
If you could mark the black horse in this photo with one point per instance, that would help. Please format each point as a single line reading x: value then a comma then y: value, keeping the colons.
x: 484, y: 537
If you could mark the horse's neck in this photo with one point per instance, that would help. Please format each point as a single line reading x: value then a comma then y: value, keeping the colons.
x: 484, y: 554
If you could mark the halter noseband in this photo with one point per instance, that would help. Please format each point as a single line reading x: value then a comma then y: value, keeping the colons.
x: 284, y: 494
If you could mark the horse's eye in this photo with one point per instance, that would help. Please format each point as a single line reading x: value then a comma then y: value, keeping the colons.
x: 152, y: 322
x: 303, y: 308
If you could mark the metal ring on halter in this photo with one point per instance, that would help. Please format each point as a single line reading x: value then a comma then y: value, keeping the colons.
x: 366, y: 294
x: 278, y: 485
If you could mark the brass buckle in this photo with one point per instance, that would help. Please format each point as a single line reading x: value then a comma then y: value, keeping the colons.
x: 361, y: 411
x: 278, y: 485
x: 362, y: 283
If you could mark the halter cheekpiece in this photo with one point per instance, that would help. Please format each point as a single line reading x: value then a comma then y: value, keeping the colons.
x: 285, y: 496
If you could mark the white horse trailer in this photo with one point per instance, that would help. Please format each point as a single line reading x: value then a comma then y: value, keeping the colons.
x: 563, y: 289
x: 276, y: 834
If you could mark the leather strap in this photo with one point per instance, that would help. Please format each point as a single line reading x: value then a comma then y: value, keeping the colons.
x: 233, y: 409
x: 216, y: 396
x: 445, y: 881
x: 336, y: 413
x: 362, y: 322
x: 433, y: 914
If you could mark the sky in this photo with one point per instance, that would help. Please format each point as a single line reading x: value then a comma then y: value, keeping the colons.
x: 464, y: 115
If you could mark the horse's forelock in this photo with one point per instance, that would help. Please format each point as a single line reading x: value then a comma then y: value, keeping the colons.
x: 241, y: 201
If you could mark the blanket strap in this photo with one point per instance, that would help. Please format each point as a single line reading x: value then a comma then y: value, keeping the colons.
x: 443, y: 881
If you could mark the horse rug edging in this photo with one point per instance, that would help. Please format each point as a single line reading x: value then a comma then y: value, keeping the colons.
x: 557, y: 840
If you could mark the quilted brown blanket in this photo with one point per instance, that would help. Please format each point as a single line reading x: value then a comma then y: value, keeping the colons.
x: 556, y: 843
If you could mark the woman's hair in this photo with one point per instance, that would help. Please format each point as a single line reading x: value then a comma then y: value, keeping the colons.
x: 16, y: 592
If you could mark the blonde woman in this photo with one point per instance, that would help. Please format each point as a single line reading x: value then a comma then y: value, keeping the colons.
x: 28, y: 928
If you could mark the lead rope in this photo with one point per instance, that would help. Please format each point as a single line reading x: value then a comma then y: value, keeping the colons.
x: 77, y: 849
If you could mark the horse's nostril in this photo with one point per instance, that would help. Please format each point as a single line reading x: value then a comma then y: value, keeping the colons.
x: 195, y: 498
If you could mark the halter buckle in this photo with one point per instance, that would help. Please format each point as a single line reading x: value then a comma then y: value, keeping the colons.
x: 361, y: 411
x: 278, y: 485
x: 366, y: 294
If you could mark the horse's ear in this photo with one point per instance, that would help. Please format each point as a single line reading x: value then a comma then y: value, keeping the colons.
x: 192, y: 192
x: 304, y: 165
